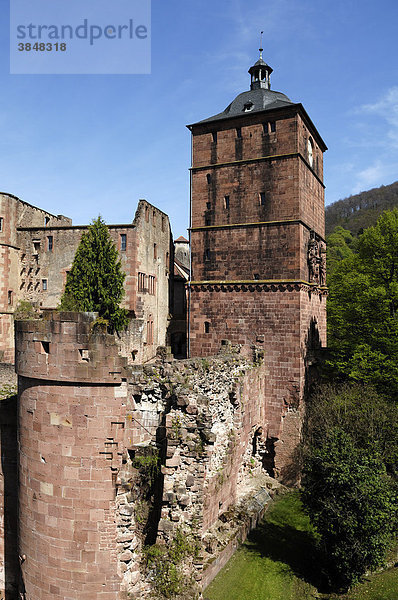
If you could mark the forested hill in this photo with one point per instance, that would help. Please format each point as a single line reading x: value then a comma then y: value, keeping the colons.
x: 362, y: 210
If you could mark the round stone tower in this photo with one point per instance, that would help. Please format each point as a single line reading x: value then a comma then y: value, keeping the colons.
x: 71, y: 420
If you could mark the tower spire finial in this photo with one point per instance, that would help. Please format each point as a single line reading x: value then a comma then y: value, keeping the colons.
x: 261, y: 44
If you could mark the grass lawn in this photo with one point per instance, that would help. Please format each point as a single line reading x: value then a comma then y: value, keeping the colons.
x: 278, y: 562
x: 382, y: 586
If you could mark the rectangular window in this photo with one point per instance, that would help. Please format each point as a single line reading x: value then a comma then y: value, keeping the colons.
x: 141, y: 282
x: 46, y: 221
x: 265, y: 127
x: 50, y: 243
x: 44, y: 285
x: 1, y: 223
x: 208, y: 205
x: 261, y: 198
x: 239, y: 132
x: 214, y: 137
x: 10, y: 297
x: 155, y: 252
x: 208, y: 177
x: 36, y: 246
x: 207, y: 327
x: 151, y: 284
x: 226, y: 202
x: 123, y: 242
x: 273, y: 126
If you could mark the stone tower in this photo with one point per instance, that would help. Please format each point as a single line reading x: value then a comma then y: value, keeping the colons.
x: 257, y: 242
x: 72, y: 416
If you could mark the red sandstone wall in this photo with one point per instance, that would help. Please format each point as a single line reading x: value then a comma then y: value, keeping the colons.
x: 243, y: 182
x: 246, y: 253
x: 70, y: 413
x: 288, y: 321
x: 253, y: 143
x: 15, y: 213
x: 265, y: 316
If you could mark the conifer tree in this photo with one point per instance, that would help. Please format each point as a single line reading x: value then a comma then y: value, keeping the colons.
x: 95, y: 282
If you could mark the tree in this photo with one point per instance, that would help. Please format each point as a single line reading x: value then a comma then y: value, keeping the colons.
x: 352, y: 503
x: 365, y: 415
x: 95, y: 282
x: 362, y: 308
x: 340, y: 245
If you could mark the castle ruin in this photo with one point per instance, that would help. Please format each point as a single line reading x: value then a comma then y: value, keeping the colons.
x: 119, y: 445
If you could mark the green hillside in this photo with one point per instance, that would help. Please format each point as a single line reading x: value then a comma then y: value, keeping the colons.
x: 362, y: 210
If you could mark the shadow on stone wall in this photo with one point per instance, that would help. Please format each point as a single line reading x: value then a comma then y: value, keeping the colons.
x: 312, y: 356
x: 9, y: 464
x: 290, y: 474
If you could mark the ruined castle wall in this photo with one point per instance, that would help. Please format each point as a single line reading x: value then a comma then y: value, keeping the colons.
x: 47, y: 255
x: 287, y: 321
x: 83, y: 414
x: 8, y: 299
x: 154, y: 259
x: 13, y: 213
x: 37, y: 251
x: 222, y: 484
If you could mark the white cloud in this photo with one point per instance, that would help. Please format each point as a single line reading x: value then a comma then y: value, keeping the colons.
x: 386, y: 108
x: 374, y: 175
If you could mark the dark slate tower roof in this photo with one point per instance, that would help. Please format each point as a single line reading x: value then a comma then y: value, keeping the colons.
x: 260, y: 97
x: 252, y: 101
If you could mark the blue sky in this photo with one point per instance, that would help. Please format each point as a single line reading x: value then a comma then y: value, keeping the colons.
x: 81, y: 145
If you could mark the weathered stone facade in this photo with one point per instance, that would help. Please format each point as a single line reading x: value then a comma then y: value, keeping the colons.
x: 37, y: 251
x: 257, y: 203
x: 120, y: 461
x: 86, y: 416
x: 15, y: 213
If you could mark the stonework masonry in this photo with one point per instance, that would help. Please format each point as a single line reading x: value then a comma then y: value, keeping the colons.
x: 84, y: 414
x: 120, y: 447
x: 257, y: 207
x: 37, y: 251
